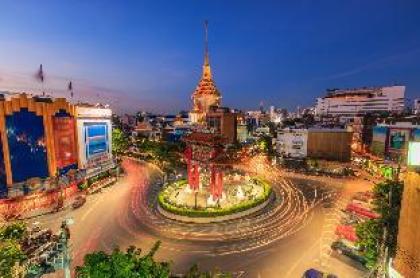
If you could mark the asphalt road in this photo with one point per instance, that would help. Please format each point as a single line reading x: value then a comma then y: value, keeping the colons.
x: 282, y: 240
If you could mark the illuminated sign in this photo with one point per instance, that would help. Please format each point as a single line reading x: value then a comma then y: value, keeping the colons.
x: 413, y: 154
x: 96, y: 139
x: 93, y: 112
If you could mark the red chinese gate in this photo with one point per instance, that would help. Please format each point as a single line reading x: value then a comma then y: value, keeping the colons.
x: 206, y: 150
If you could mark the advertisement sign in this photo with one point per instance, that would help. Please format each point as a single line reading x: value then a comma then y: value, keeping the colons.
x: 96, y: 139
x: 413, y: 154
x: 379, y: 135
x: 398, y: 139
x: 64, y: 141
x: 28, y: 153
x: 416, y: 135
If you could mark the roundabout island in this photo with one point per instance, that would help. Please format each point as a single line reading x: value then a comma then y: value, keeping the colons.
x: 242, y: 196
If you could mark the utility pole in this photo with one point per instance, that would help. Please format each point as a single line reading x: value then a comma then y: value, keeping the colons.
x: 384, y: 248
x: 64, y: 238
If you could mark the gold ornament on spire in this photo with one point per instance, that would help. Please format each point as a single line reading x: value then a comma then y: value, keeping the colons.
x: 206, y: 93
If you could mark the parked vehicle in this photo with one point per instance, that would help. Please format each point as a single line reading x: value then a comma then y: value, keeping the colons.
x: 362, y: 211
x: 346, y: 231
x: 78, y: 202
x: 351, y: 219
x: 314, y: 273
x: 342, y: 249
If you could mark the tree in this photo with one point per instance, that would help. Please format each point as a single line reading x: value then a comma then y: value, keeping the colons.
x: 194, y: 272
x: 129, y: 264
x: 11, y: 253
x: 13, y: 231
x: 390, y: 213
x: 371, y: 232
x: 119, y: 141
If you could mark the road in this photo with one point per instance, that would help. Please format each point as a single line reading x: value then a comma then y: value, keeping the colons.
x: 282, y: 240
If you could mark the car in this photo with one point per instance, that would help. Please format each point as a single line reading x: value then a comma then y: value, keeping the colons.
x: 78, y: 202
x: 314, y: 273
x: 347, y: 251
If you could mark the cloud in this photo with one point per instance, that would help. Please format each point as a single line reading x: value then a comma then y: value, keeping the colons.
x: 380, y: 63
x: 121, y: 101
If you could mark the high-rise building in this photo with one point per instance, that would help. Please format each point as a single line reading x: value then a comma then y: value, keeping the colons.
x: 206, y: 94
x: 347, y: 103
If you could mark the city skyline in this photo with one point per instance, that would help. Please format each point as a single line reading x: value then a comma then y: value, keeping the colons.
x: 148, y: 55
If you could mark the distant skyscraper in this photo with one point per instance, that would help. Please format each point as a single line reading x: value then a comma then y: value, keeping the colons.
x: 206, y: 94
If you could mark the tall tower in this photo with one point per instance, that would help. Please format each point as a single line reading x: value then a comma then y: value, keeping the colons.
x: 206, y: 93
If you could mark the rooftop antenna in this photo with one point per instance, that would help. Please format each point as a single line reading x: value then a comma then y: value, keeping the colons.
x: 41, y: 77
x: 70, y: 88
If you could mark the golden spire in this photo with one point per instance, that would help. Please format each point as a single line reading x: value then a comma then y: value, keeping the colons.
x: 206, y: 66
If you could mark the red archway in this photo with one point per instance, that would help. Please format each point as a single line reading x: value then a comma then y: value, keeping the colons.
x: 206, y: 150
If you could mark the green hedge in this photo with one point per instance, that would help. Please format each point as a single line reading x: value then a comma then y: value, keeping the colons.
x: 213, y: 212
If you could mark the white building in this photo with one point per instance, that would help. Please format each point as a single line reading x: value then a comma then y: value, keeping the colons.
x: 416, y: 106
x: 347, y: 103
x: 292, y: 143
x: 94, y: 132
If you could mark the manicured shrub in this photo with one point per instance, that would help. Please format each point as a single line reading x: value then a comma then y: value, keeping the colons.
x: 164, y: 202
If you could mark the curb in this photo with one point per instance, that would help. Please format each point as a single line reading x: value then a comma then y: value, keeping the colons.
x: 205, y: 220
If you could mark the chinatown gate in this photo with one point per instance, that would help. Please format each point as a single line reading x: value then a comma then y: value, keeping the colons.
x: 206, y: 152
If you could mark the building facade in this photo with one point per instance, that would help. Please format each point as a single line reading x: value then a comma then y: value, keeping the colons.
x: 94, y: 135
x: 416, y: 106
x: 220, y: 120
x: 391, y: 141
x: 40, y: 138
x: 407, y: 260
x: 347, y: 103
x: 292, y: 143
x: 330, y: 144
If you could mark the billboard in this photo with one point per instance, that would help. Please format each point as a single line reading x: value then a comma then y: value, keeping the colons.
x: 416, y: 135
x: 96, y: 139
x: 379, y: 135
x: 28, y: 153
x: 398, y: 139
x: 413, y: 154
x: 65, y: 143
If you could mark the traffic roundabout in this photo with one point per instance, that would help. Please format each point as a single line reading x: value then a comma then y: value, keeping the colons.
x: 287, y: 211
x: 242, y: 196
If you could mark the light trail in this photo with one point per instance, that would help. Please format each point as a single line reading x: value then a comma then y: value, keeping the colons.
x: 288, y: 212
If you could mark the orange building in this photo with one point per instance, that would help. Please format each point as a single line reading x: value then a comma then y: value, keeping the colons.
x: 221, y: 120
x: 407, y: 260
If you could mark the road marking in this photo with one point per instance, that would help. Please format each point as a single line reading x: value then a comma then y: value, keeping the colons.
x: 295, y: 265
x: 97, y: 201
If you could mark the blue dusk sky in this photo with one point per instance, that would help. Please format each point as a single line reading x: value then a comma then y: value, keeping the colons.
x: 148, y: 54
